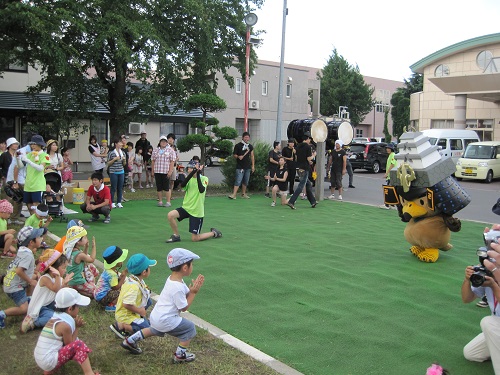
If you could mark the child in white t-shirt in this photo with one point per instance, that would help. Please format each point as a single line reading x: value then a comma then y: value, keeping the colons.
x: 175, y: 298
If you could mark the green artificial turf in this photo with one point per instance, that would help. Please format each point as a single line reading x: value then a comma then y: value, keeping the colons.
x: 330, y: 290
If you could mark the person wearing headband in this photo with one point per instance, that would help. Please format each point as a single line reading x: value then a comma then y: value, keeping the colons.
x: 40, y: 219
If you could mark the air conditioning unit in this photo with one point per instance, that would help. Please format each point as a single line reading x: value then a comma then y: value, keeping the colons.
x: 254, y: 104
x: 136, y: 128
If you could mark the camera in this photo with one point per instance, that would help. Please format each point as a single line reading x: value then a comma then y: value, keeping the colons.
x: 15, y: 194
x: 480, y: 271
x: 493, y: 236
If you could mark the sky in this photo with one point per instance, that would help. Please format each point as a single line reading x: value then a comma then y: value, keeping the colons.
x: 382, y: 37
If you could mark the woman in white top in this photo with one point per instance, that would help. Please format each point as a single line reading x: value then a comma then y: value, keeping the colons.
x: 98, y: 160
x: 56, y: 160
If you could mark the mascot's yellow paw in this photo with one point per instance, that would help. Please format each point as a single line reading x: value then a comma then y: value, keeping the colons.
x: 429, y: 255
x: 415, y: 250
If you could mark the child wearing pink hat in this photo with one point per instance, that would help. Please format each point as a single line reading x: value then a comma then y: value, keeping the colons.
x: 7, y: 236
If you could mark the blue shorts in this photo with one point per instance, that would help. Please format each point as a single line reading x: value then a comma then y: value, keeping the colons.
x: 32, y: 197
x: 18, y: 297
x: 139, y: 324
x: 195, y: 223
x: 184, y: 331
x: 242, y: 177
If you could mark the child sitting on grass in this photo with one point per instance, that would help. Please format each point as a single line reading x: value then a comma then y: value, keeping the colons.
x: 175, y: 298
x: 52, y: 267
x: 83, y: 275
x: 40, y: 219
x: 58, y: 343
x: 134, y: 299
x: 20, y: 278
x: 6, y: 235
x: 109, y: 284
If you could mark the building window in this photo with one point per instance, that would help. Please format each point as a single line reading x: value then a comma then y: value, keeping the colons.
x: 17, y: 67
x: 483, y: 59
x: 238, y: 85
x: 180, y: 129
x: 441, y: 71
x: 264, y: 88
x: 100, y: 129
x: 288, y: 90
x: 441, y: 124
x: 359, y: 132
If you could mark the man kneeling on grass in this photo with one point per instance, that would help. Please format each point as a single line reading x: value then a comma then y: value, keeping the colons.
x: 193, y: 206
x: 175, y: 298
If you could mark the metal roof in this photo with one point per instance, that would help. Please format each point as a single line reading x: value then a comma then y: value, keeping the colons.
x: 21, y: 102
x: 484, y: 40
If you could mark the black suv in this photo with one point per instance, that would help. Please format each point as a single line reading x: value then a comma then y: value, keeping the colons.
x: 371, y: 156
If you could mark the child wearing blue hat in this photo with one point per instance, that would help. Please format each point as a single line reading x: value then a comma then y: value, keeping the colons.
x: 175, y: 298
x: 134, y: 298
x: 108, y: 286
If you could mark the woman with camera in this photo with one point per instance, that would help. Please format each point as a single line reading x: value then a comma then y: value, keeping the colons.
x: 480, y: 281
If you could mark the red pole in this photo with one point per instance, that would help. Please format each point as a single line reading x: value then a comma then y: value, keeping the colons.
x: 247, y: 79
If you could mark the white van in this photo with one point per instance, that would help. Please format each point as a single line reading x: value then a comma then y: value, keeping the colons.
x: 452, y: 142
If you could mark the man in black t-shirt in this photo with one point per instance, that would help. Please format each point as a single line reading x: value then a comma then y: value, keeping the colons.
x: 337, y: 162
x: 305, y: 155
x: 290, y: 156
x: 245, y: 163
x: 272, y: 165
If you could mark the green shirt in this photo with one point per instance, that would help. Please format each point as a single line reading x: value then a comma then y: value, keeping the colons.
x: 194, y: 202
x: 3, y: 225
x: 35, y: 180
x: 390, y: 160
x: 34, y: 221
x: 77, y: 269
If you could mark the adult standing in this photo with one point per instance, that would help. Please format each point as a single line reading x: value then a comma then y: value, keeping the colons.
x: 337, y: 162
x: 56, y: 160
x: 272, y: 166
x: 115, y: 164
x: 245, y: 163
x: 305, y: 155
x: 98, y: 160
x: 348, y: 167
x: 35, y: 184
x: 162, y: 165
x: 144, y: 144
x: 173, y: 176
x: 290, y: 156
x: 391, y: 163
x: 17, y: 174
x: 6, y: 160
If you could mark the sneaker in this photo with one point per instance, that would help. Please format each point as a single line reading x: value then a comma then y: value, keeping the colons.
x: 113, y: 205
x: 231, y: 197
x: 247, y: 197
x: 273, y: 204
x: 107, y: 220
x: 482, y: 304
x: 352, y: 186
x: 120, y: 333
x: 217, y: 233
x: 168, y: 204
x: 132, y: 348
x: 132, y: 190
x: 174, y: 238
x: 314, y: 205
x: 332, y: 197
x: 340, y: 197
x: 119, y: 205
x: 383, y: 206
x: 28, y: 324
x: 184, y: 357
x: 110, y: 308
x: 160, y: 204
x: 291, y: 206
x: 2, y: 321
x: 303, y: 196
x: 267, y: 195
x: 94, y: 218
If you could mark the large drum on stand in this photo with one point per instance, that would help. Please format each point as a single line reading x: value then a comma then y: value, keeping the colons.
x: 336, y: 129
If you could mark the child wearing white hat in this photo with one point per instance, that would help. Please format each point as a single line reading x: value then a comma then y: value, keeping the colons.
x: 175, y: 298
x: 58, y: 343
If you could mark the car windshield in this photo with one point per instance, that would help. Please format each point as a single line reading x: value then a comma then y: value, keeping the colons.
x: 479, y: 152
x: 432, y: 141
x: 357, y: 148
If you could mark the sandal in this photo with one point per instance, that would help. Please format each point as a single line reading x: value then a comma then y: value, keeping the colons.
x: 8, y: 254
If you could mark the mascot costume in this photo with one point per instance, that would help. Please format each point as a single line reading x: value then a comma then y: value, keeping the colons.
x: 426, y: 196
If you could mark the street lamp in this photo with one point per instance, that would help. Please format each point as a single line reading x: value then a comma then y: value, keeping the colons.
x: 250, y: 20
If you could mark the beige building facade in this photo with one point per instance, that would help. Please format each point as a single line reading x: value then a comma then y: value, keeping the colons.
x: 461, y: 88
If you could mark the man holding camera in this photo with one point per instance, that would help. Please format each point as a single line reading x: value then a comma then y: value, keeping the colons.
x: 486, y: 345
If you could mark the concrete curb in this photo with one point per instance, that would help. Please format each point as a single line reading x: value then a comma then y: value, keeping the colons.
x: 243, y: 347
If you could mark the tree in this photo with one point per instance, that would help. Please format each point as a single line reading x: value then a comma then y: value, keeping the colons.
x: 343, y: 85
x: 136, y: 57
x: 386, y: 127
x: 400, y: 102
x: 207, y: 103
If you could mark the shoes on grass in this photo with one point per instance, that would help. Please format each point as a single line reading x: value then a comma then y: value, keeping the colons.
x: 273, y: 204
x: 132, y: 348
x: 340, y: 197
x: 94, y: 218
x: 120, y: 333
x: 184, y: 357
x: 113, y: 205
x: 482, y: 304
x: 168, y: 204
x: 174, y: 238
x: 28, y: 324
x: 384, y: 207
x: 107, y: 220
x: 244, y: 196
x: 231, y: 197
x: 110, y: 308
x: 331, y: 197
x: 119, y: 205
x: 217, y: 233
